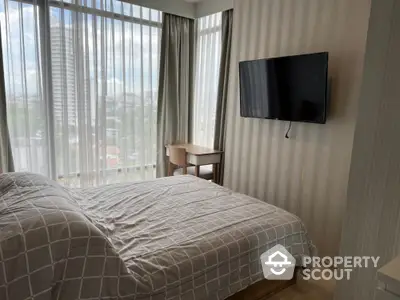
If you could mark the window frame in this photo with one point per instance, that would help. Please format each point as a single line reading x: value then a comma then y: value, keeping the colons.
x: 203, y: 33
x: 43, y: 10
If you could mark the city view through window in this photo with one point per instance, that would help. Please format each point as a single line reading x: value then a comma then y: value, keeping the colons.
x: 207, y: 74
x: 81, y: 83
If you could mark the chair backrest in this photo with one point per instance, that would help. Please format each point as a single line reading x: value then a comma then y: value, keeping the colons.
x: 178, y: 156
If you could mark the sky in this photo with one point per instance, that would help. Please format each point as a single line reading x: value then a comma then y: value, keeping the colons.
x: 20, y: 41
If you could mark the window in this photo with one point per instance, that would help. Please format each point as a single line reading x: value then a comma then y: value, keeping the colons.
x: 81, y: 84
x: 207, y: 76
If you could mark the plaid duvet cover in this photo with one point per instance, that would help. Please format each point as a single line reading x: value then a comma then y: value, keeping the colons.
x: 170, y: 238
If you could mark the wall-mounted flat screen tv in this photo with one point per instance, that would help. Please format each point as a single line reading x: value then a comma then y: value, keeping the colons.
x: 291, y: 88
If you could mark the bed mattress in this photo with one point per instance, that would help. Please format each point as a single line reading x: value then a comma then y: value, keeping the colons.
x: 171, y: 238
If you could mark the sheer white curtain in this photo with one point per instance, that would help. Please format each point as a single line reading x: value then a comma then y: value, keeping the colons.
x: 82, y: 79
x: 207, y: 74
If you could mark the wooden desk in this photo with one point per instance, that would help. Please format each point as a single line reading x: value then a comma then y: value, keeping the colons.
x: 200, y: 156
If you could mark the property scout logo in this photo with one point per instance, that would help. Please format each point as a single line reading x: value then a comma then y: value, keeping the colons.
x: 278, y: 264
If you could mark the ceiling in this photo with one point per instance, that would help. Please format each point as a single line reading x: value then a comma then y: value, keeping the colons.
x: 186, y: 8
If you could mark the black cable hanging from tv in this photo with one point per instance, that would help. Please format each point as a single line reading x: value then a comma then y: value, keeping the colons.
x: 287, y: 132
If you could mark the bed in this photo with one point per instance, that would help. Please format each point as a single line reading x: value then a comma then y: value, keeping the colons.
x: 171, y: 238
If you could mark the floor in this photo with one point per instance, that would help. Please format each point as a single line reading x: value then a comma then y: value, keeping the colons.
x: 304, y: 290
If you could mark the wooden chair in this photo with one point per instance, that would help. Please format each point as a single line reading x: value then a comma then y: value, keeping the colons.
x: 177, y: 158
x: 178, y: 165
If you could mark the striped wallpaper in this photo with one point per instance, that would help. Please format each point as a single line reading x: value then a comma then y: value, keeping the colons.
x: 372, y: 222
x: 308, y: 174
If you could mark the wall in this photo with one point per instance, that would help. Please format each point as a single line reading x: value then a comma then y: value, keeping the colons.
x: 372, y: 224
x: 308, y: 174
x: 208, y: 7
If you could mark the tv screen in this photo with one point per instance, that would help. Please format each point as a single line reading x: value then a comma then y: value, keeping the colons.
x: 292, y: 88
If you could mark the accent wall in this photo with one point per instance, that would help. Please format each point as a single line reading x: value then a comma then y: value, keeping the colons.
x: 308, y: 173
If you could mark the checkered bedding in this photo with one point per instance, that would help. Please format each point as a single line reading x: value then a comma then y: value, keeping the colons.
x: 171, y: 238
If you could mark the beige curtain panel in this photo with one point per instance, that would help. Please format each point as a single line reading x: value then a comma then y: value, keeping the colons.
x: 6, y: 161
x: 220, y: 120
x: 175, y: 85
